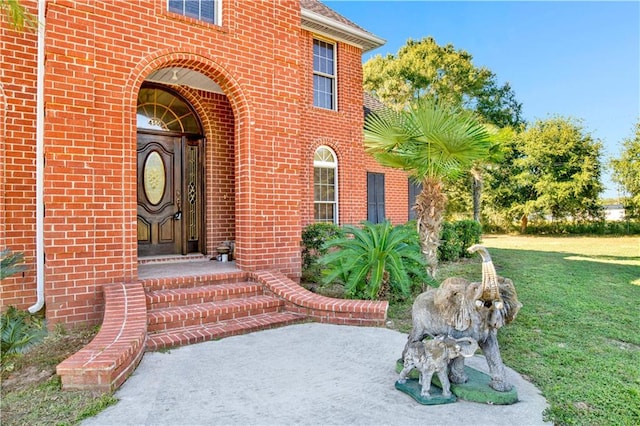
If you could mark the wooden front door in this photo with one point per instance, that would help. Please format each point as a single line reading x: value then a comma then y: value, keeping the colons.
x: 169, y: 195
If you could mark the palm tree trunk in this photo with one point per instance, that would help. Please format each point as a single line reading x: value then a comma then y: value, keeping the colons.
x: 476, y: 185
x: 430, y: 205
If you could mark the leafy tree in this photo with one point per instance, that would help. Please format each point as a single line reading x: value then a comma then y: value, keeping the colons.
x: 626, y: 172
x: 17, y: 15
x: 433, y: 143
x: 553, y: 168
x: 505, y: 193
x: 424, y: 69
x: 373, y: 260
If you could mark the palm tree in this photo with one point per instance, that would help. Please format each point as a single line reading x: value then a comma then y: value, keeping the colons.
x: 433, y: 143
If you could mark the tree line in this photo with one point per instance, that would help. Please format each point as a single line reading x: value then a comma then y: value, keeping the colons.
x: 550, y: 168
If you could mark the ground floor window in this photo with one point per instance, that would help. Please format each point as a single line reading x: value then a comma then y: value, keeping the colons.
x: 325, y: 185
x: 375, y: 197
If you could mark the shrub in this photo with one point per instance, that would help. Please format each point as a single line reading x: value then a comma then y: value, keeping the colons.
x: 456, y: 238
x: 584, y: 228
x: 469, y: 232
x: 20, y: 331
x: 314, y: 237
x: 10, y: 263
x: 450, y: 244
x: 375, y: 261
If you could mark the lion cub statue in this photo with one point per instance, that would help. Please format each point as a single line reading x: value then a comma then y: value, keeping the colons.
x: 433, y: 356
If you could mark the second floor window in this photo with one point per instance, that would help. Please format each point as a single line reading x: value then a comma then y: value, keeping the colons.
x: 324, y: 74
x: 203, y: 10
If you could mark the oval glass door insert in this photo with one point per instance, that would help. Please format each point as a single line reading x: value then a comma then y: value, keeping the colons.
x: 154, y: 178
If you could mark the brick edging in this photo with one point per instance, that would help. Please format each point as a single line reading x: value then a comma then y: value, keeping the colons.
x: 106, y: 362
x: 321, y: 308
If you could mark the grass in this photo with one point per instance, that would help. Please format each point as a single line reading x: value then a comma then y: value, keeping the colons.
x: 577, y: 336
x: 31, y: 392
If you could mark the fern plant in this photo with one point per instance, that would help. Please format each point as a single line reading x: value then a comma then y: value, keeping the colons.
x: 374, y: 259
x: 20, y: 331
x: 10, y: 263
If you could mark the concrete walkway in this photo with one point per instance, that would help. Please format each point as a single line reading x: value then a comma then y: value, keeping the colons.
x: 307, y: 374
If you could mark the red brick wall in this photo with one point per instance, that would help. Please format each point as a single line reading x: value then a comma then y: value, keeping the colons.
x: 342, y: 131
x: 260, y: 139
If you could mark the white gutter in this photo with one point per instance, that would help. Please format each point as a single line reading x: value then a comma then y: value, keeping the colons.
x: 40, y: 161
x: 347, y: 33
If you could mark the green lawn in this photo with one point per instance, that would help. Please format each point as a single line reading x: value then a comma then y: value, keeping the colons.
x: 577, y: 336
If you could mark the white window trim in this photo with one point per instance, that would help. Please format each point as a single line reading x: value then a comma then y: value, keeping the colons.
x: 330, y: 165
x: 334, y: 77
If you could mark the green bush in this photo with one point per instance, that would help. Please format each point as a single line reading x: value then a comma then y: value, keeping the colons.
x: 450, y: 243
x: 470, y: 233
x: 456, y: 238
x: 10, y: 263
x: 20, y: 331
x: 314, y: 237
x: 375, y: 261
x: 583, y: 228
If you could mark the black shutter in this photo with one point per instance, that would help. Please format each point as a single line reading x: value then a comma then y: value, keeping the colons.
x: 375, y: 197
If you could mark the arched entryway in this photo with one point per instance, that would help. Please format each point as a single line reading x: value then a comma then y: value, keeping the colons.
x: 170, y: 174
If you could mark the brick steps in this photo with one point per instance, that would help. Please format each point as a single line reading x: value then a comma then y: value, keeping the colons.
x: 180, y: 316
x: 159, y: 299
x: 159, y: 313
x: 219, y: 330
x: 204, y: 313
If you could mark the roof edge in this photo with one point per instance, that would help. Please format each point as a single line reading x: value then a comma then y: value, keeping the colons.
x: 318, y: 23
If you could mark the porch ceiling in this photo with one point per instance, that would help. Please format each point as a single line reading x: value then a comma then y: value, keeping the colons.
x: 176, y: 76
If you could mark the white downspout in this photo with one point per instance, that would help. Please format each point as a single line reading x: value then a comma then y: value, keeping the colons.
x: 40, y: 161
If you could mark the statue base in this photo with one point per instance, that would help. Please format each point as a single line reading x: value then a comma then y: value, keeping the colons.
x: 476, y: 389
x: 413, y: 388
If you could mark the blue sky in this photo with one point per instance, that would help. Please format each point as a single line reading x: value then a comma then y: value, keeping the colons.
x: 574, y: 59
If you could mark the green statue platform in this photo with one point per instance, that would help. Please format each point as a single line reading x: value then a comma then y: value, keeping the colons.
x: 413, y: 388
x: 475, y: 390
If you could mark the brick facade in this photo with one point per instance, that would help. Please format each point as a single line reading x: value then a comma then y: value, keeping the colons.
x: 260, y: 138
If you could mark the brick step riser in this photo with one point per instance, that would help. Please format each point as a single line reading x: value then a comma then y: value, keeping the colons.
x: 201, y: 314
x: 215, y: 293
x: 158, y: 284
x: 221, y: 330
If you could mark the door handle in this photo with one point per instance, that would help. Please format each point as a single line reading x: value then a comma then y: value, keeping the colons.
x: 178, y: 214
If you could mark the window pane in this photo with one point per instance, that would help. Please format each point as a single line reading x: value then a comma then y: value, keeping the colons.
x: 324, y: 74
x: 161, y: 110
x: 175, y: 6
x: 204, y: 10
x: 323, y: 92
x: 207, y: 11
x: 325, y: 191
x: 192, y: 8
